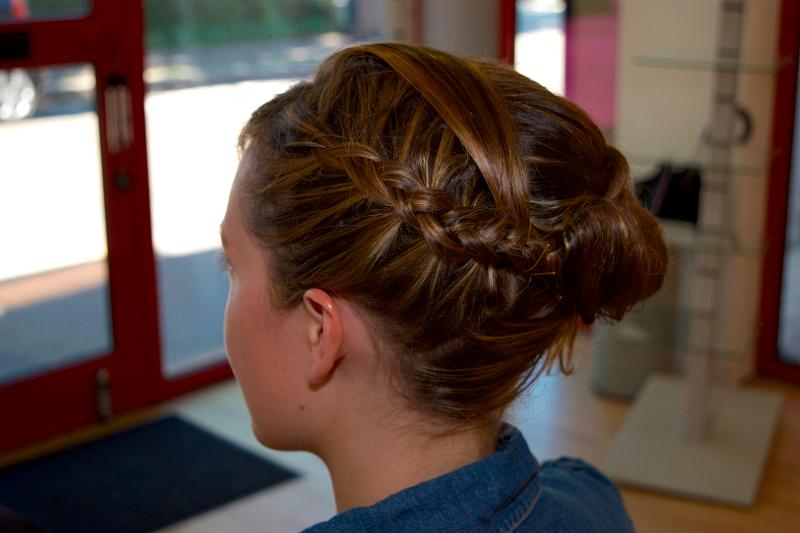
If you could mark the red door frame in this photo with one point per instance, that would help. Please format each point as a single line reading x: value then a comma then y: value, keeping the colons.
x: 111, y: 39
x: 508, y: 30
x: 768, y: 362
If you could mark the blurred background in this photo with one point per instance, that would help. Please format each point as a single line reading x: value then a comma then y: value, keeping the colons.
x: 118, y: 129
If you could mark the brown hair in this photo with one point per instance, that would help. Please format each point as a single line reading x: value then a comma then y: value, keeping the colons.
x: 472, y: 214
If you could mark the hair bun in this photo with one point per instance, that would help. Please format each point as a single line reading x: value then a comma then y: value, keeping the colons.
x: 615, y: 256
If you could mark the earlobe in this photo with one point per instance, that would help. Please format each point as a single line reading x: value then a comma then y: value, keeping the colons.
x: 324, y: 335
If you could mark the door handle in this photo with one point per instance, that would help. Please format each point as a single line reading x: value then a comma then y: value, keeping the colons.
x: 119, y: 123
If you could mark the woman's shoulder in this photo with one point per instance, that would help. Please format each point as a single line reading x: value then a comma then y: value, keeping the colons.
x: 576, y: 496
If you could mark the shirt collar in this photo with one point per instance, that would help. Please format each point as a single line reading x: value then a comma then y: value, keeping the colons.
x: 494, y: 493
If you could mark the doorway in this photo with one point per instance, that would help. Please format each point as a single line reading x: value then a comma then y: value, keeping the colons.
x: 79, y: 337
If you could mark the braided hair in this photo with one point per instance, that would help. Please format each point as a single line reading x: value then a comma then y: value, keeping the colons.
x: 472, y: 215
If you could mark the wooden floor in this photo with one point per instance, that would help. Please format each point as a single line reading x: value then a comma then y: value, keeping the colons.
x: 559, y: 416
x: 582, y: 424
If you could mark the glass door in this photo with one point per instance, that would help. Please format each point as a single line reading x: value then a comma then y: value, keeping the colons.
x: 76, y: 314
x: 110, y: 297
x: 54, y: 298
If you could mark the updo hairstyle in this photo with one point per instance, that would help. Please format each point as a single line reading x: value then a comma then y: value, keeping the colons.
x: 471, y: 214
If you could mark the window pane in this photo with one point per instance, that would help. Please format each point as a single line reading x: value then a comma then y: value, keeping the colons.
x: 20, y: 10
x: 539, y: 42
x: 208, y: 66
x: 789, y: 326
x: 54, y: 304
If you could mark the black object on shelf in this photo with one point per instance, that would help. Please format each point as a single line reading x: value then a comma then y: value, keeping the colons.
x: 672, y: 192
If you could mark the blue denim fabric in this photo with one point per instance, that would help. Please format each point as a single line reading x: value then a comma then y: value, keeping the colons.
x: 507, y: 491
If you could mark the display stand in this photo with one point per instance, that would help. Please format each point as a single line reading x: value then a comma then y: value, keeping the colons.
x: 691, y: 435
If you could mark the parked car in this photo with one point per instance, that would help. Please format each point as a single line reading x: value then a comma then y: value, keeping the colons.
x: 19, y: 94
x: 19, y: 90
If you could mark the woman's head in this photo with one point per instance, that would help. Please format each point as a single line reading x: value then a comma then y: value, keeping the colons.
x: 472, y: 216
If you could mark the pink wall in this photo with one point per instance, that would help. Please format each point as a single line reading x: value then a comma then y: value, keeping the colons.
x: 591, y: 65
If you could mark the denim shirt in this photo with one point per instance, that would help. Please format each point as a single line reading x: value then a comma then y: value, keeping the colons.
x: 507, y: 491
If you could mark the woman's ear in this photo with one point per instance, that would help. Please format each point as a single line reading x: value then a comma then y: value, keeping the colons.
x: 324, y: 335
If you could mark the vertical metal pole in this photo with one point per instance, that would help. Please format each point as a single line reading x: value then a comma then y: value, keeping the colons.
x: 714, y: 235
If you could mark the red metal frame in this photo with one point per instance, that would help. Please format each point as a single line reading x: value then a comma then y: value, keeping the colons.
x: 508, y: 30
x: 110, y: 38
x: 569, y: 52
x: 56, y: 401
x: 767, y: 361
x: 137, y: 283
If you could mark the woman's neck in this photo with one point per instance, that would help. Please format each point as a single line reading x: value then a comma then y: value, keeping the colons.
x: 368, y: 465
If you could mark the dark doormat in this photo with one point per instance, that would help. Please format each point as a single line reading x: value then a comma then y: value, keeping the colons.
x: 138, y: 480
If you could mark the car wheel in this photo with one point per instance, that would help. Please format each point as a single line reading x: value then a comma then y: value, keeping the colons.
x: 18, y: 94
